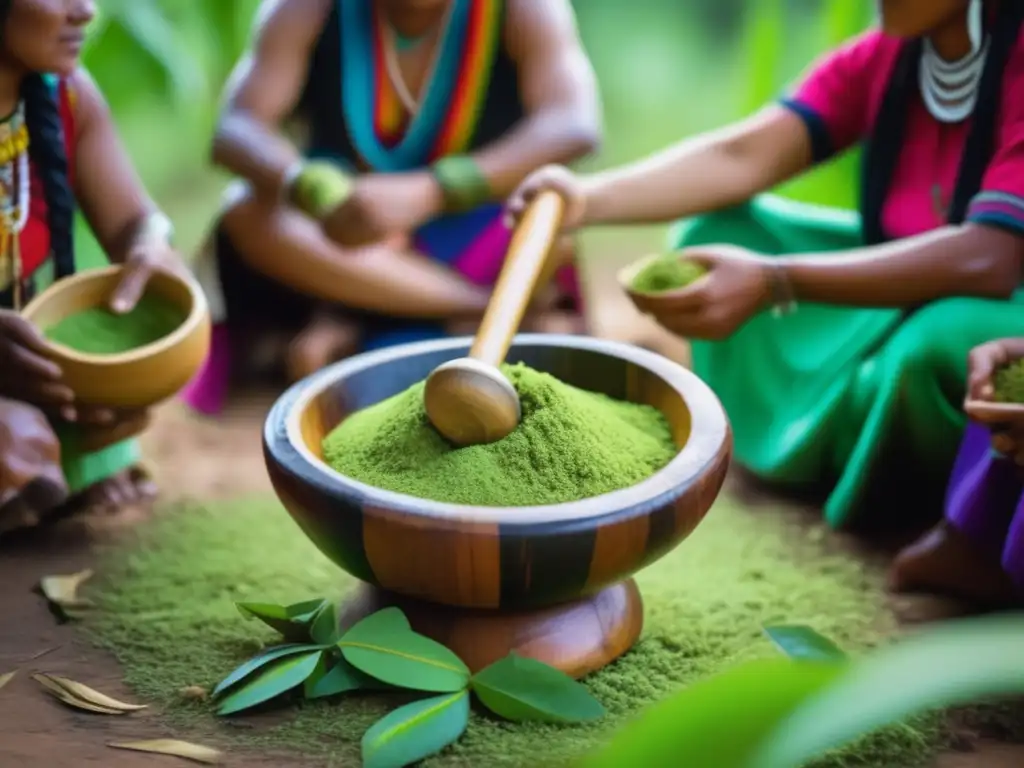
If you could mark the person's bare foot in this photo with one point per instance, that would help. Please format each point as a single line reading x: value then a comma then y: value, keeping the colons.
x: 125, y: 489
x: 324, y: 341
x: 944, y: 561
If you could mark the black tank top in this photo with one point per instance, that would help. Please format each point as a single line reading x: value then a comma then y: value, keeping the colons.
x: 321, y: 104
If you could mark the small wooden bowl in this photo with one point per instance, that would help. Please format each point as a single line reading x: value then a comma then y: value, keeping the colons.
x: 551, y: 582
x: 627, y: 275
x: 142, y: 377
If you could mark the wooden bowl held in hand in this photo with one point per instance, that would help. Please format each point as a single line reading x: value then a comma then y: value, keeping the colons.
x: 551, y: 582
x: 141, y: 377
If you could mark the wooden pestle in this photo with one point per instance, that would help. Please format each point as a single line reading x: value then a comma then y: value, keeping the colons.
x: 469, y: 400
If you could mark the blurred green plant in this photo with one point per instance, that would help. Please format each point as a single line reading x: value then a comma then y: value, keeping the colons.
x: 783, y: 712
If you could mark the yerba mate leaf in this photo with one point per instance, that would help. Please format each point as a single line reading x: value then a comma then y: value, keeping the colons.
x: 416, y: 731
x: 385, y: 647
x: 7, y: 677
x: 174, y: 748
x: 522, y: 689
x: 291, y: 621
x: 278, y: 677
x: 342, y: 677
x: 258, y: 662
x: 62, y: 590
x: 87, y: 694
x: 324, y: 629
x: 803, y: 643
x: 306, y: 611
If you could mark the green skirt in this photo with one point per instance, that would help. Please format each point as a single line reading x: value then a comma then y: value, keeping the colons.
x: 82, y: 470
x: 861, y: 404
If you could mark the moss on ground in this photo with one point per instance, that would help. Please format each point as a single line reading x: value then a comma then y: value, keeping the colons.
x: 166, y: 612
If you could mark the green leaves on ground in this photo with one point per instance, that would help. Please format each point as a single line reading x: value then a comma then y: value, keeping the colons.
x: 803, y: 643
x: 416, y: 731
x: 384, y: 646
x: 522, y: 689
x: 774, y: 713
x: 384, y: 651
x: 276, y: 678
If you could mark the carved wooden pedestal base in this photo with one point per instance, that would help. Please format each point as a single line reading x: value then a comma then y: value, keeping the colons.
x: 577, y: 638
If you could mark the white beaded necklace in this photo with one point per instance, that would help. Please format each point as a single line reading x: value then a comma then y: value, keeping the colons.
x: 950, y: 88
x: 14, y: 207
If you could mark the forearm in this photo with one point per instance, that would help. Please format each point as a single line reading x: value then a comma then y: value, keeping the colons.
x: 702, y: 174
x: 952, y: 261
x: 255, y: 152
x: 550, y: 136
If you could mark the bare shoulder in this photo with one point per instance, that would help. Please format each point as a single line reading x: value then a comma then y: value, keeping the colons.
x: 87, y: 99
x: 539, y: 23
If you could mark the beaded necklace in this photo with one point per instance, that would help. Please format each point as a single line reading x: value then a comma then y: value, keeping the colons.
x: 14, y: 195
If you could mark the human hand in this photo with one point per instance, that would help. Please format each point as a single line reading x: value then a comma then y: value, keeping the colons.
x: 382, y: 205
x: 149, y: 255
x: 737, y: 285
x: 26, y: 372
x: 1005, y: 420
x: 99, y: 428
x: 30, y: 467
x: 554, y: 178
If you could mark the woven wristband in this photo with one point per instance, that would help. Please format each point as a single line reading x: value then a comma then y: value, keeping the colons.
x: 462, y: 182
x: 318, y: 187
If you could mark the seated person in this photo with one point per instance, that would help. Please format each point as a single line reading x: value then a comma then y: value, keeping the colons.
x: 421, y: 116
x: 59, y: 147
x: 857, y: 392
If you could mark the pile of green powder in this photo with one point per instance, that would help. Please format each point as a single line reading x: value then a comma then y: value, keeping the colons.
x: 1009, y: 383
x: 571, y: 444
x: 99, y: 331
x: 667, y: 273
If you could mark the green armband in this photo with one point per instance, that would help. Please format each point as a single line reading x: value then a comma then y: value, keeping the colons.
x: 463, y: 183
x: 317, y: 188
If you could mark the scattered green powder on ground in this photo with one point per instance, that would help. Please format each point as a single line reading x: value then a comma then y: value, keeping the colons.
x: 1009, y: 383
x: 667, y: 273
x: 571, y: 444
x: 165, y: 608
x: 99, y: 331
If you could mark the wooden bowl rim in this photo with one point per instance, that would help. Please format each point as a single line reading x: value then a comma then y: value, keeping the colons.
x: 994, y: 410
x: 196, y: 316
x: 710, y: 435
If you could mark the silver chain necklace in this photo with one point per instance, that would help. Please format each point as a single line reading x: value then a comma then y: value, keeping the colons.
x: 950, y: 88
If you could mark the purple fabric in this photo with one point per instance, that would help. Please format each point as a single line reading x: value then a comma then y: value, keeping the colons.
x: 985, y: 501
x: 208, y: 390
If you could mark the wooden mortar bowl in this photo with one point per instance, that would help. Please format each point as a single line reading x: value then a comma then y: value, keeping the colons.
x: 552, y: 582
x: 141, y: 377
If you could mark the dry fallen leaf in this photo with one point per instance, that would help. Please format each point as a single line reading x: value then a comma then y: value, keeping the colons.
x: 62, y: 591
x: 6, y: 678
x: 85, y: 693
x: 174, y: 748
x: 62, y: 695
x: 194, y: 693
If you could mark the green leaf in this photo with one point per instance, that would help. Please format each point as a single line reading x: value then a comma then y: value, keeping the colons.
x: 280, y: 677
x: 291, y: 621
x: 340, y: 678
x: 257, y: 662
x: 945, y: 666
x: 804, y: 644
x: 322, y: 665
x: 416, y: 731
x: 522, y: 689
x: 385, y: 647
x: 324, y: 629
x: 720, y: 721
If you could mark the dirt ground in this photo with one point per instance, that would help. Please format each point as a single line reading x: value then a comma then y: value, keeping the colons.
x: 196, y: 458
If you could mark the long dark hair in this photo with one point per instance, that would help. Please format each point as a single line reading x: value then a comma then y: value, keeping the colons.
x: 49, y: 159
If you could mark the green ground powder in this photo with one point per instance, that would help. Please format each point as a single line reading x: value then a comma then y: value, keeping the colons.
x: 571, y: 444
x: 667, y: 273
x: 1009, y: 383
x: 165, y: 608
x: 99, y: 331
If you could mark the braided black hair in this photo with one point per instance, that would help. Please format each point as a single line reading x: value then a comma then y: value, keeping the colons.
x: 49, y: 160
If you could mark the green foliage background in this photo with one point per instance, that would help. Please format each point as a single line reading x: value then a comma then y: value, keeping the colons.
x: 667, y: 70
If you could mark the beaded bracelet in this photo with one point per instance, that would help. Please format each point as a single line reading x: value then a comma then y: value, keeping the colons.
x: 462, y: 183
x: 317, y: 188
x: 783, y: 297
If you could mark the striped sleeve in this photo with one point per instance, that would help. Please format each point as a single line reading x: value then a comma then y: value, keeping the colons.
x: 1000, y: 202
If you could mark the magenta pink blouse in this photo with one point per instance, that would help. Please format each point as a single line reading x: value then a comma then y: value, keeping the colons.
x: 839, y: 100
